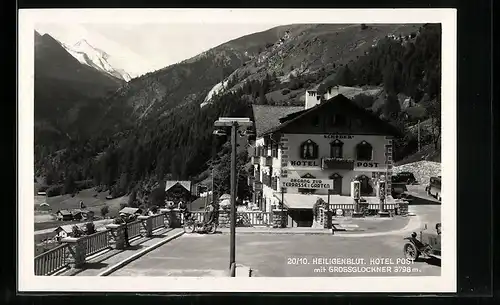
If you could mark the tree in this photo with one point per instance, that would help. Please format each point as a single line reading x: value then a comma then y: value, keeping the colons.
x: 433, y: 108
x: 132, y: 199
x: 69, y: 184
x: 104, y: 211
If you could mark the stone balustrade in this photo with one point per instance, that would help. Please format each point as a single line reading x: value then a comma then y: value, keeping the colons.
x: 74, y: 251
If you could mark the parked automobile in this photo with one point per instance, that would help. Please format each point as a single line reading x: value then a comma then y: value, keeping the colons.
x: 426, y: 244
x: 399, y: 191
x: 434, y: 187
x: 406, y: 177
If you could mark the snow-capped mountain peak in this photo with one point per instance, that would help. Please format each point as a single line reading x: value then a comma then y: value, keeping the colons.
x: 88, y: 55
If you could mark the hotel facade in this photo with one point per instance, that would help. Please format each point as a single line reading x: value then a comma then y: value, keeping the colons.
x: 330, y: 139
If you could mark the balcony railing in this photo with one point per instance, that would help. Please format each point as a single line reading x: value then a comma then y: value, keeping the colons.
x: 53, y: 260
x: 134, y: 229
x: 255, y: 160
x: 96, y: 242
x: 158, y: 221
x: 337, y: 163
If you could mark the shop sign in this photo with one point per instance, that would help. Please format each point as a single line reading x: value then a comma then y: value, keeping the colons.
x: 338, y: 136
x: 366, y: 164
x: 305, y: 163
x: 317, y: 184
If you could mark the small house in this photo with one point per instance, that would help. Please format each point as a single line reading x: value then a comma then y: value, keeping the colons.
x: 64, y: 215
x: 63, y: 231
x: 77, y: 214
x: 131, y: 211
x: 80, y: 214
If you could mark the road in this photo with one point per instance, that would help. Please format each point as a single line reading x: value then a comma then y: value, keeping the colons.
x: 273, y: 255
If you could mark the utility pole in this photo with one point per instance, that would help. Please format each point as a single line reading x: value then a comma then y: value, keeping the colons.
x: 232, y: 254
x: 418, y: 125
x: 234, y: 123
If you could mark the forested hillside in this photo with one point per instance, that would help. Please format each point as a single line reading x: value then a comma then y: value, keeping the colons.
x: 177, y: 141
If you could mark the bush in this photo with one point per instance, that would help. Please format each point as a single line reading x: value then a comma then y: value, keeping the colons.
x: 43, y: 188
x: 104, y: 211
x: 285, y: 91
x: 90, y: 228
x: 54, y: 190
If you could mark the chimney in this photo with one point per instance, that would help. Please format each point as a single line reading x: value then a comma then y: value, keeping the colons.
x: 312, y: 99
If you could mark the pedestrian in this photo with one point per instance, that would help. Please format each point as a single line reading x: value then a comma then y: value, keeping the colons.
x: 124, y: 219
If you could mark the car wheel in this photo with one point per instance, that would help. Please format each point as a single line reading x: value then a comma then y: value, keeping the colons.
x: 410, y: 251
x: 189, y: 228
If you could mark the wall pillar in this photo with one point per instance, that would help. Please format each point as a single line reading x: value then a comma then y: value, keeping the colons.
x: 118, y: 234
x: 224, y: 218
x: 280, y: 219
x: 77, y: 247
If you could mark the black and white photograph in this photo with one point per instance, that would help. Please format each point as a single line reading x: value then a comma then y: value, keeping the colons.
x: 311, y: 149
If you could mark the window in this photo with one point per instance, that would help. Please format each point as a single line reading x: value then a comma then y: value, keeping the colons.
x: 338, y: 120
x: 304, y: 190
x: 309, y: 150
x: 336, y: 149
x: 337, y: 184
x: 274, y: 151
x: 315, y: 121
x: 364, y: 151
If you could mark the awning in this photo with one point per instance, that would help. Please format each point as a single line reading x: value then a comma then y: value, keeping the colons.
x: 301, y: 201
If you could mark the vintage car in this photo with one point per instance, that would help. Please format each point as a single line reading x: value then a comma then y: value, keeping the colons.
x: 426, y: 244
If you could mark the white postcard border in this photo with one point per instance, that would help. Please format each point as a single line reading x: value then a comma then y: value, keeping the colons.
x: 29, y: 282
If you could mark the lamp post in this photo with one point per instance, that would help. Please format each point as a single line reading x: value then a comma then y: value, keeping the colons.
x: 235, y: 124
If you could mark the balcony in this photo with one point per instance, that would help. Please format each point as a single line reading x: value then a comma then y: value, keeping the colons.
x: 267, y: 161
x: 337, y: 163
x: 255, y: 160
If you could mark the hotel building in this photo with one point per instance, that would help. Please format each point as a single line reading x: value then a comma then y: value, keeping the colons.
x: 330, y: 138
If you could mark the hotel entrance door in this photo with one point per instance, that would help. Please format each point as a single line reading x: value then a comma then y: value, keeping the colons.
x: 301, y: 217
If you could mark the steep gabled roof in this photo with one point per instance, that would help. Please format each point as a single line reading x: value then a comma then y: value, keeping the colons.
x: 267, y: 117
x: 381, y: 126
x: 185, y: 184
x: 64, y: 212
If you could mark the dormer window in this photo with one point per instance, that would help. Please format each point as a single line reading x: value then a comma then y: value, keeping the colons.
x: 364, y: 151
x: 309, y: 150
x: 336, y: 149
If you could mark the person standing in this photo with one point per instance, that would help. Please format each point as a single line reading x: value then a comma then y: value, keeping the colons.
x: 124, y: 220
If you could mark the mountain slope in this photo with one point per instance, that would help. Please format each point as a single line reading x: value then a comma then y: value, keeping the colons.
x: 298, y: 49
x: 66, y: 92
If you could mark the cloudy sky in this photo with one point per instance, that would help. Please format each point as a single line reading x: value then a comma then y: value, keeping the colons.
x: 140, y: 48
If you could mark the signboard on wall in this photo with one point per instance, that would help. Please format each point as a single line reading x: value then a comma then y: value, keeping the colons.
x: 338, y: 136
x: 371, y: 166
x: 304, y: 163
x: 318, y: 184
